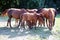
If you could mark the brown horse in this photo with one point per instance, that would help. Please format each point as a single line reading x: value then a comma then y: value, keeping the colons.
x: 39, y: 16
x: 31, y: 10
x: 13, y: 13
x: 49, y: 14
x: 41, y: 20
x: 54, y: 13
x: 30, y: 18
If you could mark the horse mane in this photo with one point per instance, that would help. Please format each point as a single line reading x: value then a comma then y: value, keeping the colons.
x: 4, y: 11
x: 39, y: 10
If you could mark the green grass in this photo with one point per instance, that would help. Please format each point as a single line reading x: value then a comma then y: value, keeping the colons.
x: 58, y: 16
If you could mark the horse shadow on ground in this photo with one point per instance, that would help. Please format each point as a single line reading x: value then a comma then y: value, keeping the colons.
x: 42, y: 32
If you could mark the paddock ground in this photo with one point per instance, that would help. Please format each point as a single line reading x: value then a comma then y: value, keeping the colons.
x: 41, y: 33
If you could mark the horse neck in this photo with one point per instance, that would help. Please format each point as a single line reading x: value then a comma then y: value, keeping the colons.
x: 5, y: 11
x: 39, y: 10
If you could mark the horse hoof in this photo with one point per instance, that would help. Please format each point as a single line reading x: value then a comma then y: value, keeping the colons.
x: 50, y: 29
x: 11, y: 27
x: 30, y: 27
x: 17, y: 27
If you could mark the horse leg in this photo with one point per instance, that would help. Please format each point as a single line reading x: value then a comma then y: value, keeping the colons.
x: 35, y: 25
x: 29, y: 24
x: 38, y: 23
x: 54, y: 22
x: 43, y: 23
x: 19, y: 23
x: 30, y: 27
x: 22, y: 24
x: 47, y: 22
x: 9, y: 22
x: 50, y: 25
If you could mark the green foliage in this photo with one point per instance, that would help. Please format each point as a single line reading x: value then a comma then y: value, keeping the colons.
x: 4, y: 4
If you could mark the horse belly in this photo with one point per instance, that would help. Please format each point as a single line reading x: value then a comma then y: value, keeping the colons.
x: 16, y: 15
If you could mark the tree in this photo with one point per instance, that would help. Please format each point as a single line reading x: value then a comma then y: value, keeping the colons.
x: 4, y: 4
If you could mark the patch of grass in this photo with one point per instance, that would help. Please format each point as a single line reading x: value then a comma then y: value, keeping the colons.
x: 58, y: 16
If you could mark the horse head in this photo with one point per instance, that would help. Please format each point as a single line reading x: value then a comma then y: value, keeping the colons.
x: 4, y: 13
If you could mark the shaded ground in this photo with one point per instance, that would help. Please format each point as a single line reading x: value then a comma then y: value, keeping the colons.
x: 41, y: 33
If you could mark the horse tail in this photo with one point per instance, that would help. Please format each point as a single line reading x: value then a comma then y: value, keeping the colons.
x: 56, y: 13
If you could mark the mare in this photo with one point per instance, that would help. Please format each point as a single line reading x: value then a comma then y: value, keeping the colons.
x: 31, y: 18
x: 49, y: 14
x: 13, y: 13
